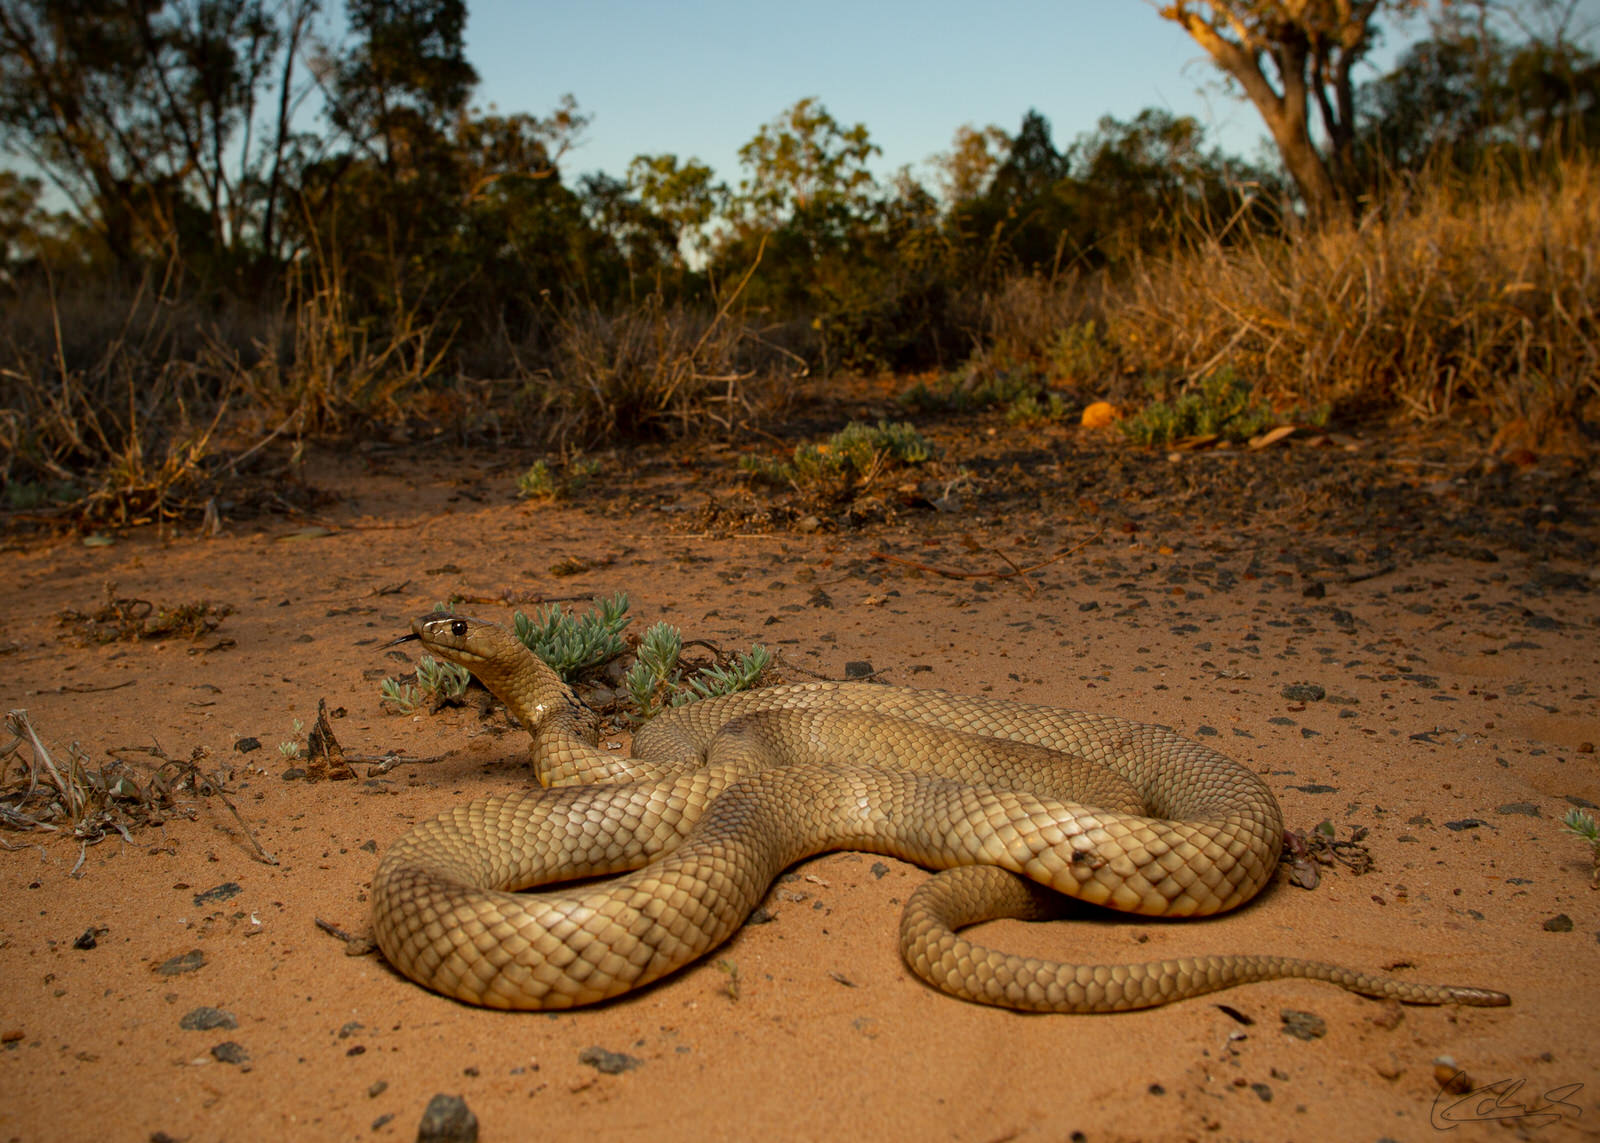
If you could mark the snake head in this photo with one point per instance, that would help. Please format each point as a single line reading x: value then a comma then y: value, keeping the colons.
x: 472, y: 643
x: 514, y: 674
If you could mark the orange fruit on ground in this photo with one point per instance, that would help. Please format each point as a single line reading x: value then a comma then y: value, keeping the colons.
x: 1099, y: 414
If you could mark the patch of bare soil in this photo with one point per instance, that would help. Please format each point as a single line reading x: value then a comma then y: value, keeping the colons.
x: 1401, y: 638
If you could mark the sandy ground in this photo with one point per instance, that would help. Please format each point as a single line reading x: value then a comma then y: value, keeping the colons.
x: 1456, y: 728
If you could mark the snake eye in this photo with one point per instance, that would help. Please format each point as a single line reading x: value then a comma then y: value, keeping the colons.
x: 458, y: 628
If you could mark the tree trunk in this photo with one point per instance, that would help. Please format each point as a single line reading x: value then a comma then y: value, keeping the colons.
x: 1285, y: 113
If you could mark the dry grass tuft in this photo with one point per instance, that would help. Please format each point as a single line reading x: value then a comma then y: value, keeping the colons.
x: 51, y: 792
x: 63, y: 792
x: 1457, y: 294
x: 106, y: 413
x: 1024, y: 315
x: 338, y: 373
x: 122, y: 619
x: 656, y: 370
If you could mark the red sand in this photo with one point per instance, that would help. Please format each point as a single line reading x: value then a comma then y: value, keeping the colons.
x: 1454, y: 732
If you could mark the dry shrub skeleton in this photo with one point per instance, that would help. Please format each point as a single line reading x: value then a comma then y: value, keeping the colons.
x: 726, y: 793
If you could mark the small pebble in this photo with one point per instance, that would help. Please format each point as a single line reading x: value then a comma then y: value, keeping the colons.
x: 448, y: 1119
x: 220, y: 893
x: 191, y: 961
x: 230, y: 1052
x: 1303, y: 1025
x: 206, y: 1018
x: 609, y: 1063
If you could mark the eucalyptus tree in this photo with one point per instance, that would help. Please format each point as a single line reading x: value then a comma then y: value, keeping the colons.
x: 166, y: 124
x: 1288, y: 55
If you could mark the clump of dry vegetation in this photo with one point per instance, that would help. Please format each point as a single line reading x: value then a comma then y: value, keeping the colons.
x: 659, y: 369
x: 1470, y: 293
x: 63, y: 791
x: 109, y: 407
x: 1456, y: 296
x: 337, y: 372
x: 122, y: 619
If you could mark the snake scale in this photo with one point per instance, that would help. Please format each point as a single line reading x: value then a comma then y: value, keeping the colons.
x: 1015, y: 803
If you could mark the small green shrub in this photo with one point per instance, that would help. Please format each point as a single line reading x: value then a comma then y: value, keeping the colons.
x: 444, y: 680
x: 537, y: 483
x: 540, y: 482
x: 1029, y: 410
x: 855, y: 452
x: 1078, y: 353
x: 654, y: 682
x: 571, y: 644
x: 1223, y: 404
x: 402, y: 696
x: 979, y: 384
x: 1583, y: 825
x: 28, y: 495
x: 654, y: 676
x: 740, y: 675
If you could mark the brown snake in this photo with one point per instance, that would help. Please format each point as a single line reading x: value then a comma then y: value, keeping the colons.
x: 725, y: 793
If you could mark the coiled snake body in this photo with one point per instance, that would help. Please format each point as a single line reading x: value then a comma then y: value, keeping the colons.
x: 725, y: 793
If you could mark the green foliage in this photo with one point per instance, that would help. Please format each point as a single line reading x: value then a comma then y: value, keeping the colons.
x: 982, y: 383
x: 681, y: 194
x: 1582, y: 824
x: 859, y: 446
x: 1143, y: 183
x: 407, y: 75
x: 412, y: 258
x: 402, y: 696
x: 134, y: 110
x: 25, y: 495
x: 1029, y: 410
x: 1223, y: 405
x: 1475, y: 89
x: 654, y: 677
x: 1080, y: 354
x: 537, y: 482
x: 437, y: 681
x: 540, y: 482
x: 807, y: 169
x: 854, y: 454
x: 443, y: 680
x: 654, y: 682
x: 740, y: 675
x: 572, y: 644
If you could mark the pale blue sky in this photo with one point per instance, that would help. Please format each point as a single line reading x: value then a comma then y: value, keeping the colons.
x: 699, y: 77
